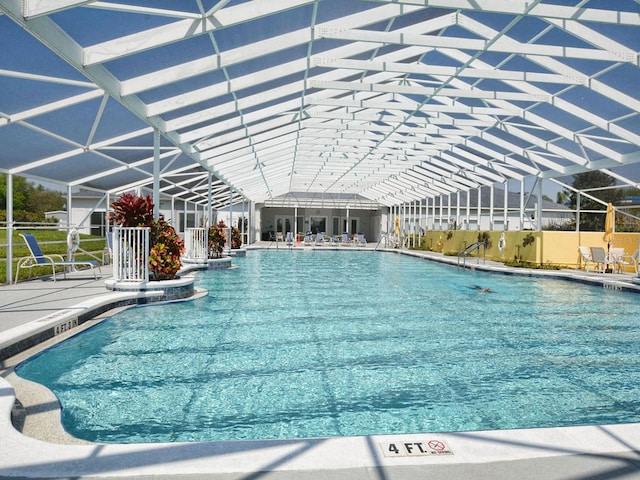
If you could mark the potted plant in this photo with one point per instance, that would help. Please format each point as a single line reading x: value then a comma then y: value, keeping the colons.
x: 217, y: 239
x: 165, y: 245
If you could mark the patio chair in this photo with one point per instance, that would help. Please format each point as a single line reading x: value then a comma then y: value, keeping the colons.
x: 107, y: 253
x: 614, y: 256
x: 319, y: 238
x: 345, y: 239
x: 38, y: 259
x: 361, y: 239
x: 290, y: 239
x: 584, y: 257
x: 598, y: 259
x: 624, y: 261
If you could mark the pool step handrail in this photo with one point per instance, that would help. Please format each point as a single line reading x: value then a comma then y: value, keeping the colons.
x: 382, y: 237
x: 470, y: 249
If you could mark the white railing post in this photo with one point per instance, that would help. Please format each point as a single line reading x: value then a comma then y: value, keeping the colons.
x: 131, y: 254
x: 196, y: 243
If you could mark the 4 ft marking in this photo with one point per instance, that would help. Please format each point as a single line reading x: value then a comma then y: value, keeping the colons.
x: 407, y: 449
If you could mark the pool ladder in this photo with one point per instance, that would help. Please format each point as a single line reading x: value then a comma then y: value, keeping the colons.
x: 465, y: 252
x: 382, y: 237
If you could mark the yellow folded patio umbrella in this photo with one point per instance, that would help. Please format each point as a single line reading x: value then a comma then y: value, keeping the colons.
x: 609, y: 226
x: 397, y: 231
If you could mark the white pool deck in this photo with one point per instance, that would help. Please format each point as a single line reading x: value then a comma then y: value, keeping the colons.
x: 592, y: 452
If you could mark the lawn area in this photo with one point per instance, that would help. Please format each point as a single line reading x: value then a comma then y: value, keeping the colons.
x: 51, y: 241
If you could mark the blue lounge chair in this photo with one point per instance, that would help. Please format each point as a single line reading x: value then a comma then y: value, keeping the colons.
x: 319, y: 238
x: 38, y: 259
x: 361, y: 239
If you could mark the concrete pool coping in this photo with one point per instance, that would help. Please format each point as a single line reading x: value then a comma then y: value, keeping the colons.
x: 566, y: 452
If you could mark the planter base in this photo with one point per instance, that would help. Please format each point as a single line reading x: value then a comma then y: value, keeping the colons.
x: 177, y: 289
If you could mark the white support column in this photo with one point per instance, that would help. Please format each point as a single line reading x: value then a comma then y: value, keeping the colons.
x: 468, y: 211
x: 413, y: 224
x: 346, y: 229
x: 107, y: 227
x: 420, y: 224
x: 458, y: 210
x: 243, y: 217
x: 9, y: 231
x: 185, y: 215
x: 156, y: 174
x: 441, y: 209
x: 539, y: 209
x: 522, y: 204
x: 505, y: 213
x: 448, y: 210
x: 578, y: 199
x: 69, y: 220
x: 173, y: 212
x: 491, y: 207
x: 479, y: 207
x: 209, y: 193
x: 230, y: 216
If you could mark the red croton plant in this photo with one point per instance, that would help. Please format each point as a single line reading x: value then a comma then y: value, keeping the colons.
x: 131, y: 210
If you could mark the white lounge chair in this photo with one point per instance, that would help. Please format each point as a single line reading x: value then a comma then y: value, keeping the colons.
x: 319, y: 238
x: 345, y: 239
x: 361, y: 239
x: 39, y: 259
x: 624, y: 261
x: 584, y: 257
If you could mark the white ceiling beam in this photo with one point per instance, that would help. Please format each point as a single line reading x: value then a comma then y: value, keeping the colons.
x: 157, y: 12
x: 502, y: 44
x: 290, y: 68
x: 424, y: 69
x: 407, y: 106
x: 181, y: 30
x: 35, y: 8
x: 522, y: 7
x: 241, y: 54
x: 429, y: 91
x: 52, y: 107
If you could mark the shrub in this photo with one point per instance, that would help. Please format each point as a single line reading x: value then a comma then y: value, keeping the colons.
x: 132, y: 211
x: 236, y: 238
x: 217, y: 239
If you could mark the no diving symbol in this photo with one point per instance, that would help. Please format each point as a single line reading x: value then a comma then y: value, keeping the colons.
x: 436, y: 445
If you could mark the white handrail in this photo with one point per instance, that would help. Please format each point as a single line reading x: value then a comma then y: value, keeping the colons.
x: 196, y: 243
x: 131, y: 254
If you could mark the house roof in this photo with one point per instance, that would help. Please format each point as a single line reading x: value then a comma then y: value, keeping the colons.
x: 387, y: 100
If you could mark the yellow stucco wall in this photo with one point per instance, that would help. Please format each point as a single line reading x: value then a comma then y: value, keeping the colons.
x: 557, y: 248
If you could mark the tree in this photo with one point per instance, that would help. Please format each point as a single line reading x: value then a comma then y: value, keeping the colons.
x: 30, y: 202
x: 21, y: 191
x: 588, y: 180
x: 42, y: 200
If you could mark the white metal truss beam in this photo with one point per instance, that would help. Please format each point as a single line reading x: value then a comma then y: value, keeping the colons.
x: 530, y: 8
x: 159, y: 36
x: 258, y: 49
x: 503, y: 45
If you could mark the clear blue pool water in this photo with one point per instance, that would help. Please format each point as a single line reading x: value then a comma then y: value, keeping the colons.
x: 331, y: 343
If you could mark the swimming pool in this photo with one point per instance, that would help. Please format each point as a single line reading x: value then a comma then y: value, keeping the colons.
x: 333, y: 343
